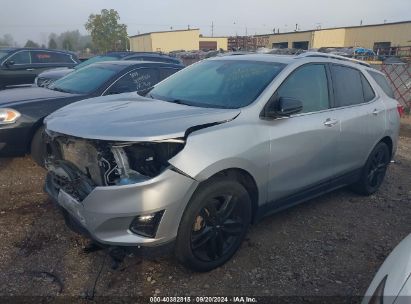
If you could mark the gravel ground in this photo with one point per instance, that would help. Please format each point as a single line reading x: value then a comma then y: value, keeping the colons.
x: 330, y: 246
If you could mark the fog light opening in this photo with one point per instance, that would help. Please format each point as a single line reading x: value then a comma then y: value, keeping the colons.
x: 146, y: 224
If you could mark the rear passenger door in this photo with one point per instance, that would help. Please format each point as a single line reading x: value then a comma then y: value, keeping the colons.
x: 361, y: 114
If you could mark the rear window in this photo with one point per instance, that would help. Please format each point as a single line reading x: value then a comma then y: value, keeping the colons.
x: 383, y: 83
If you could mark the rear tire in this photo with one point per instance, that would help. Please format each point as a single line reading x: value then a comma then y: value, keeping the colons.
x: 373, y: 172
x: 38, y: 147
x: 213, y: 225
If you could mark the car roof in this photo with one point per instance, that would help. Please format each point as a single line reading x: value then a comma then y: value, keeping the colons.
x: 304, y: 57
x: 286, y: 59
x: 122, y: 64
x: 36, y: 49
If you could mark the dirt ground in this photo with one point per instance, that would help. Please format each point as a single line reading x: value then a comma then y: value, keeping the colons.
x: 330, y: 246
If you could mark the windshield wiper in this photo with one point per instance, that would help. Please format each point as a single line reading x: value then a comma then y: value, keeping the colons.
x: 62, y: 90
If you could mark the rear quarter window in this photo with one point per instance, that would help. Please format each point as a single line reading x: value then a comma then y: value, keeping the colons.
x: 382, y: 81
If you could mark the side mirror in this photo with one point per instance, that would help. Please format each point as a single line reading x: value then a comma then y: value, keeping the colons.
x: 9, y: 63
x: 288, y: 106
x: 283, y: 106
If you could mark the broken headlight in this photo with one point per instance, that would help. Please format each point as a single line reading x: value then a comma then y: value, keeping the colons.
x: 141, y: 161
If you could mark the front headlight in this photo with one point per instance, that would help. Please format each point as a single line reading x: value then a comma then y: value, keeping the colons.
x: 8, y: 116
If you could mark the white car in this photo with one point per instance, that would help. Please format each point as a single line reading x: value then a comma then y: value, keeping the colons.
x: 392, y: 283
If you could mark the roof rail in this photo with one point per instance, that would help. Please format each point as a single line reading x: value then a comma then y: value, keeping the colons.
x: 332, y: 56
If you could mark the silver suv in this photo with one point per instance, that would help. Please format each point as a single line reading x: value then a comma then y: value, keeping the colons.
x: 217, y: 146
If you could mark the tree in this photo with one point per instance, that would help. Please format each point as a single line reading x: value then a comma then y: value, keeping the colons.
x: 107, y: 34
x: 31, y: 44
x: 52, y: 44
x: 7, y: 40
x: 68, y: 44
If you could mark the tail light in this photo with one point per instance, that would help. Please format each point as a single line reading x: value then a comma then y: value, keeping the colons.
x: 400, y: 110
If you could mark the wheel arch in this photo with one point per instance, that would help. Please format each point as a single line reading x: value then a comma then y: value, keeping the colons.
x: 246, y: 179
x: 389, y: 142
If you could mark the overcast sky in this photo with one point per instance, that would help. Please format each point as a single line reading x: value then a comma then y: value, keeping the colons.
x: 35, y: 20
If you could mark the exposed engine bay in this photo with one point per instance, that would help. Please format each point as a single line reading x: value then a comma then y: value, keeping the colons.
x: 78, y: 165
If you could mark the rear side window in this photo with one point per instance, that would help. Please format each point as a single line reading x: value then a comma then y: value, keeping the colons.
x: 166, y: 72
x: 347, y: 84
x: 383, y: 83
x: 50, y: 57
x: 309, y: 85
x: 136, y: 80
x: 367, y: 89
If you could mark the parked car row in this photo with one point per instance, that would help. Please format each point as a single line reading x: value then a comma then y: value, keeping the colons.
x: 190, y: 162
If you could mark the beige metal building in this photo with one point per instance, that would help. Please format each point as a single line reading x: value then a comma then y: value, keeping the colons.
x: 367, y: 36
x: 167, y: 41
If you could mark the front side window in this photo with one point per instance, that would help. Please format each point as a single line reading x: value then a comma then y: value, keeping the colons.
x: 22, y: 57
x: 218, y: 83
x: 383, y: 83
x: 85, y: 80
x: 136, y: 80
x: 309, y: 85
x: 348, y: 89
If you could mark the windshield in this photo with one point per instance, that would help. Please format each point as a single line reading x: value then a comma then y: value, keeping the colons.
x: 218, y: 83
x: 85, y: 80
x: 3, y: 54
x: 94, y: 60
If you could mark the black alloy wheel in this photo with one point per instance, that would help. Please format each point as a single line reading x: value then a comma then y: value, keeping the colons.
x: 217, y: 227
x: 214, y: 224
x: 373, y: 172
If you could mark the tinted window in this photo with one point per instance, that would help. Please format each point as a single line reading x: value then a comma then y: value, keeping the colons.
x: 218, y: 83
x: 136, y: 80
x: 367, y: 89
x: 309, y: 85
x: 3, y: 54
x: 50, y: 57
x: 21, y: 58
x: 347, y: 86
x: 383, y: 83
x: 166, y: 72
x: 85, y: 80
x: 95, y: 59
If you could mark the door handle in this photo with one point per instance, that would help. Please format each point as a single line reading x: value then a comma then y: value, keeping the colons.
x: 29, y: 69
x: 330, y: 122
x: 376, y: 111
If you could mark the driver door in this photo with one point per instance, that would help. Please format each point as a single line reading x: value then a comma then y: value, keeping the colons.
x: 303, y: 146
x: 17, y: 69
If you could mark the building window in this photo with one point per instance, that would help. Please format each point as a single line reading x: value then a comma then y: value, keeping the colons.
x: 302, y: 45
x: 280, y: 45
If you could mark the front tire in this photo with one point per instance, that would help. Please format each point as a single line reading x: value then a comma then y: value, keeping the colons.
x: 374, y: 170
x: 38, y: 147
x: 213, y: 225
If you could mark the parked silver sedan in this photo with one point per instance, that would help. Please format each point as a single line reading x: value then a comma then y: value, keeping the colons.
x: 218, y: 146
x: 392, y: 283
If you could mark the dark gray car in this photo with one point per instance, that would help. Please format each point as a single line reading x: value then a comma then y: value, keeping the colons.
x: 21, y: 66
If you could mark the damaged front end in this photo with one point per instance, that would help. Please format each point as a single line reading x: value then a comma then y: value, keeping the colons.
x: 78, y: 165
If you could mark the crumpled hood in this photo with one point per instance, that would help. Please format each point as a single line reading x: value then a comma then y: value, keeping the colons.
x: 130, y: 117
x: 12, y: 97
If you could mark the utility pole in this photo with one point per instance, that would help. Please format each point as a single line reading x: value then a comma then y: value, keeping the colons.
x: 212, y: 28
